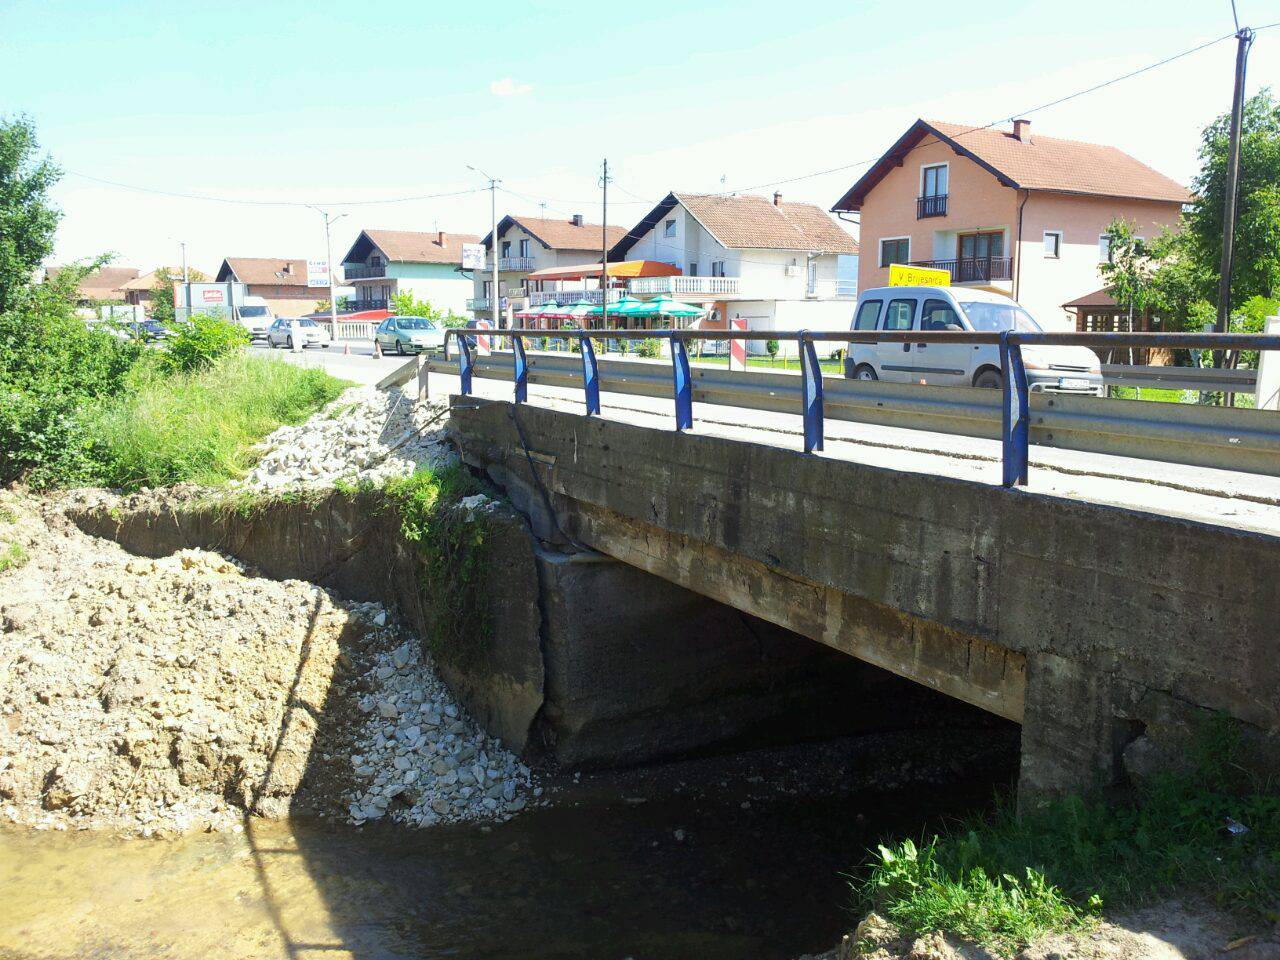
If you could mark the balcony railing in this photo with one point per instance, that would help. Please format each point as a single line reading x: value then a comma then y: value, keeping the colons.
x: 978, y: 270
x: 511, y: 264
x: 360, y: 271
x: 686, y: 286
x: 563, y: 297
x: 358, y: 306
x: 832, y: 289
x: 935, y: 206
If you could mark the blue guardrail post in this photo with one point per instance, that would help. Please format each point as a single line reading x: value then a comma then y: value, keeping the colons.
x: 522, y: 369
x: 1015, y: 417
x: 811, y: 392
x: 590, y: 374
x: 682, y: 381
x: 466, y: 360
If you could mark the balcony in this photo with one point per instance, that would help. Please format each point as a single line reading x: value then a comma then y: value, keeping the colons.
x: 981, y: 270
x: 511, y: 264
x: 686, y: 286
x: 563, y: 297
x: 360, y: 271
x: 358, y: 306
x: 935, y: 206
x: 832, y: 289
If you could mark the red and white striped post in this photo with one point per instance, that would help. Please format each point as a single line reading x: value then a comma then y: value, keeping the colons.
x: 738, y: 348
x: 484, y: 342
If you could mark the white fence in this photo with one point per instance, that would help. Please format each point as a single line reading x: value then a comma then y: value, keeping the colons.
x: 349, y: 329
x: 686, y: 286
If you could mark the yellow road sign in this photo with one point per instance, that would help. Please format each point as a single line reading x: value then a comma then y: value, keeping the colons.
x: 901, y: 275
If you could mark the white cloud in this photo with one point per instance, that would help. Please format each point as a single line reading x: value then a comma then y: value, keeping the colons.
x: 506, y: 87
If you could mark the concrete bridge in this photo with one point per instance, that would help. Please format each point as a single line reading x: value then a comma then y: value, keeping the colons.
x: 1105, y: 630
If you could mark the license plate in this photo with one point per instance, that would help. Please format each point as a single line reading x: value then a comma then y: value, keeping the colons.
x: 1074, y: 383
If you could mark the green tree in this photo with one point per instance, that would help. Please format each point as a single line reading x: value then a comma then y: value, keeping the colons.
x: 405, y: 304
x: 28, y: 221
x: 1127, y: 271
x: 162, y: 293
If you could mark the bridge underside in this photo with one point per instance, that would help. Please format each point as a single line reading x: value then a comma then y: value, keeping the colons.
x: 1093, y: 627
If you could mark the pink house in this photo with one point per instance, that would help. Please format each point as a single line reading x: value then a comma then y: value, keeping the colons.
x: 1004, y: 211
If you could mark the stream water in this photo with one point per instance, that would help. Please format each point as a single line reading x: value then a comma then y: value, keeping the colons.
x: 716, y: 871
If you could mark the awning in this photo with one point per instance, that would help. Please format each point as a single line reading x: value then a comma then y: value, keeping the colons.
x: 627, y: 269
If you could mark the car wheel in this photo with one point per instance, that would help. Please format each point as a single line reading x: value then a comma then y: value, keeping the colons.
x: 289, y: 342
x: 989, y: 380
x: 866, y: 372
x: 400, y: 348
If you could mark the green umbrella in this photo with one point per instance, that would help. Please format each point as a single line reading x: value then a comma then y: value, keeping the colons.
x: 664, y: 306
x: 619, y: 307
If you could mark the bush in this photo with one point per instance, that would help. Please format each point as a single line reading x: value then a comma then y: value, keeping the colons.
x: 650, y: 348
x: 201, y: 340
x: 772, y: 347
x: 198, y: 426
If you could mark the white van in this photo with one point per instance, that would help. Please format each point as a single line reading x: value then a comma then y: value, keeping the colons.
x: 1056, y: 369
x: 255, y: 315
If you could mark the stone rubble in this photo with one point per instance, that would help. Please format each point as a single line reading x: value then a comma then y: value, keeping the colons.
x: 366, y: 435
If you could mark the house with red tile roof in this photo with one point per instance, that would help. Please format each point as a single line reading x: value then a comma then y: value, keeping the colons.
x: 106, y: 284
x: 1005, y: 210
x: 281, y: 282
x: 383, y: 263
x: 530, y: 244
x: 774, y: 264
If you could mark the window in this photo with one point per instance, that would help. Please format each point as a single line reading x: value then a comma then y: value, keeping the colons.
x: 375, y: 261
x: 868, y: 314
x: 899, y: 315
x: 939, y: 315
x: 669, y: 228
x: 933, y: 181
x: 989, y: 317
x: 693, y: 269
x: 717, y: 268
x: 1104, y: 248
x: 895, y: 250
x: 981, y: 246
x: 506, y: 249
x: 524, y: 247
x: 1053, y: 244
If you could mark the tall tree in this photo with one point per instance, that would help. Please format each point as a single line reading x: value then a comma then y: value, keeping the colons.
x: 28, y: 220
x: 1256, y: 271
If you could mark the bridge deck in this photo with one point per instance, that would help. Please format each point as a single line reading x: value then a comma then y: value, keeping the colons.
x: 1238, y: 500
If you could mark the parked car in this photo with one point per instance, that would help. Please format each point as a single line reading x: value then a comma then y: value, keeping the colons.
x: 148, y: 330
x: 1053, y: 369
x: 254, y: 314
x: 280, y: 334
x: 408, y: 335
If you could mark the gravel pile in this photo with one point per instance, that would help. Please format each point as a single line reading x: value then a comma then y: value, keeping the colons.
x: 365, y: 435
x: 171, y: 694
x: 420, y: 760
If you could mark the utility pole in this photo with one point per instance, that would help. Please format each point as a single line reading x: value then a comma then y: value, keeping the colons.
x: 493, y: 242
x: 328, y: 259
x: 1244, y: 40
x: 186, y: 278
x: 604, y: 248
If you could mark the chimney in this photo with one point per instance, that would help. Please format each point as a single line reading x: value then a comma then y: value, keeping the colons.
x: 1022, y: 130
x: 777, y: 198
x: 577, y: 219
x: 288, y: 267
x: 440, y: 237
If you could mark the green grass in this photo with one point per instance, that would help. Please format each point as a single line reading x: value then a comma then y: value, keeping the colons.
x: 452, y: 546
x: 199, y: 426
x: 768, y: 363
x: 1003, y: 880
x: 12, y: 556
x: 1157, y: 394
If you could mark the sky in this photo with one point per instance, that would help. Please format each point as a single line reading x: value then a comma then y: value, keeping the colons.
x: 349, y: 106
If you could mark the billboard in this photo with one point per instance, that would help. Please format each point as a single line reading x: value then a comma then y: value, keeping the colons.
x: 317, y: 273
x: 473, y: 256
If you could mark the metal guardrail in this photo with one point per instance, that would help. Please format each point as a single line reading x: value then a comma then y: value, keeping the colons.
x: 1211, y: 379
x: 1245, y: 440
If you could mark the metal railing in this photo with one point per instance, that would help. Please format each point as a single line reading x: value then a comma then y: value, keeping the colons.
x: 1207, y: 379
x: 507, y: 264
x: 935, y: 206
x: 565, y: 297
x: 360, y: 271
x: 356, y: 306
x: 832, y: 289
x: 972, y: 269
x: 1246, y: 440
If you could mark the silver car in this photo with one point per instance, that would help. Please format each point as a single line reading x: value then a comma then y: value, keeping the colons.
x: 403, y: 335
x: 280, y: 334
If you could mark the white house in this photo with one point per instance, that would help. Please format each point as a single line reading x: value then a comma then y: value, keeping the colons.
x: 382, y: 263
x: 776, y: 265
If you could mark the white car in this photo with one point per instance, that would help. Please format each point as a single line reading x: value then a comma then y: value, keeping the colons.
x: 255, y: 316
x: 1050, y: 368
x: 280, y: 334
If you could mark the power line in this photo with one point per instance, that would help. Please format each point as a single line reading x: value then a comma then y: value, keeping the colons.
x: 268, y: 203
x: 1044, y: 106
